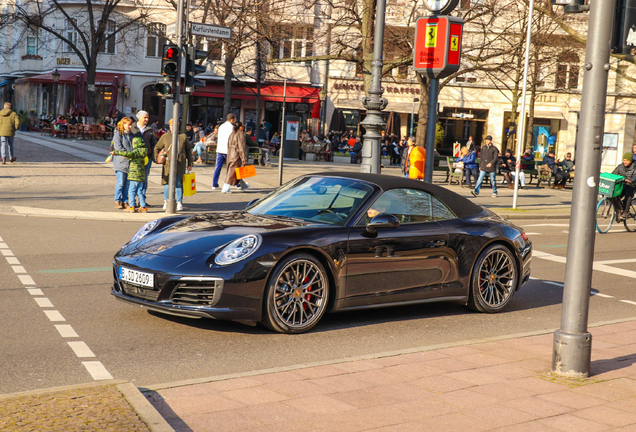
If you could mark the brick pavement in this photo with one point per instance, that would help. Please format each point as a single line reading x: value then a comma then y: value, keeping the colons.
x: 492, y: 385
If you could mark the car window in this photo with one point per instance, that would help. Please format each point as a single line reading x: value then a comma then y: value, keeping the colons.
x: 441, y: 210
x: 408, y: 205
x: 318, y: 199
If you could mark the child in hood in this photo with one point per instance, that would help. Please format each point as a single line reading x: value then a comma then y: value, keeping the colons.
x: 136, y: 173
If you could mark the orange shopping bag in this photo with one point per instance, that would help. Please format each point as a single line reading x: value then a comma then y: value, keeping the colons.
x: 245, y: 172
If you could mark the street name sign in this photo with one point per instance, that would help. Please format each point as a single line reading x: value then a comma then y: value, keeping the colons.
x: 211, y: 31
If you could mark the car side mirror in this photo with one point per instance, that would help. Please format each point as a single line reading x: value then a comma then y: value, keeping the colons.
x: 249, y: 204
x: 382, y: 220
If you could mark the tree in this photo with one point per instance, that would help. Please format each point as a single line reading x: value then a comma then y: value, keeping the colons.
x: 86, y: 29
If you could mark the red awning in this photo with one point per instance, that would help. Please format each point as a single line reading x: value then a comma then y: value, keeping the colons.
x: 102, y: 79
x: 315, y: 113
x: 294, y: 93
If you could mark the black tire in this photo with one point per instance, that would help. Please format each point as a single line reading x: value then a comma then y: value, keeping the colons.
x: 494, y: 280
x: 291, y: 306
x: 630, y: 220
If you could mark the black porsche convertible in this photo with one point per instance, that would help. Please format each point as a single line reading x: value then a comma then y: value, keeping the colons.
x: 325, y: 242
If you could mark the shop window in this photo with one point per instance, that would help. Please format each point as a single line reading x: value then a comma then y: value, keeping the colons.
x: 293, y: 41
x: 32, y: 45
x: 108, y: 46
x: 71, y: 34
x: 155, y: 39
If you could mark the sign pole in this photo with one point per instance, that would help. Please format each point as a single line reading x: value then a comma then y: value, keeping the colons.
x: 281, y: 153
x: 171, y: 203
x: 572, y: 347
x: 431, y: 128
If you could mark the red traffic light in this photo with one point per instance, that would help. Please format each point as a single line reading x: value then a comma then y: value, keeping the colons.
x: 171, y: 53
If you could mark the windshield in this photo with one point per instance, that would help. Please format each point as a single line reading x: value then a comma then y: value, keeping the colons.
x: 316, y: 199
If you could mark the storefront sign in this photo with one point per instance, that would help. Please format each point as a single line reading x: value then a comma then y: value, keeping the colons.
x: 291, y: 134
x: 390, y: 89
x: 64, y: 61
x: 463, y: 115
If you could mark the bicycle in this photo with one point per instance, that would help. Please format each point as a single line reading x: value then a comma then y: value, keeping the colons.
x: 606, y: 210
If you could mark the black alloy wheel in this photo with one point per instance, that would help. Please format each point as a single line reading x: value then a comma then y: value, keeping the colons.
x: 297, y: 295
x: 494, y: 280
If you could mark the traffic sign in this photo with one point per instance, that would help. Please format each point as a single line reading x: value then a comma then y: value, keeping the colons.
x: 437, y: 48
x: 211, y: 31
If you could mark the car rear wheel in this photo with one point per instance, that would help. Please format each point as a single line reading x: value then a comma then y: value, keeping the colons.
x: 297, y: 295
x: 495, y: 278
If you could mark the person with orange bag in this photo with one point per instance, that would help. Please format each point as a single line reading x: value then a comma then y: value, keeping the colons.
x: 236, y: 158
x: 414, y: 160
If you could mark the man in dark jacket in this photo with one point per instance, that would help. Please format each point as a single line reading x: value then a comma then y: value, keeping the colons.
x: 627, y: 169
x: 487, y: 165
x: 142, y: 129
x: 565, y: 172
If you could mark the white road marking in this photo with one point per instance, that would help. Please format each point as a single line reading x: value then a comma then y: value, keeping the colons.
x: 533, y: 234
x: 628, y: 301
x: 66, y: 330
x: 559, y: 284
x: 18, y: 269
x: 618, y: 261
x: 35, y: 291
x: 547, y: 256
x: 43, y: 302
x: 1, y: 239
x: 13, y: 260
x: 4, y: 246
x: 97, y: 370
x: 596, y: 266
x: 603, y: 295
x: 54, y: 315
x: 26, y: 280
x: 6, y: 252
x: 565, y: 232
x: 547, y: 225
x: 81, y: 349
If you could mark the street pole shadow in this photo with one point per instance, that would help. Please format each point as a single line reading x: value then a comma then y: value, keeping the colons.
x: 165, y: 411
x: 598, y: 367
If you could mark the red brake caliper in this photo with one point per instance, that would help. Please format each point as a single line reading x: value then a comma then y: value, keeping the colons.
x: 307, y: 297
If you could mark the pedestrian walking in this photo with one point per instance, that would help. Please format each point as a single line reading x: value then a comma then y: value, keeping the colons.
x: 487, y: 166
x: 9, y: 123
x: 136, y: 174
x: 122, y: 141
x: 141, y: 129
x: 225, y: 130
x: 406, y: 156
x: 236, y: 158
x: 184, y: 160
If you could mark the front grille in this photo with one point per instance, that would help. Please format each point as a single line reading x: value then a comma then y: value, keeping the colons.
x: 143, y: 293
x: 197, y: 292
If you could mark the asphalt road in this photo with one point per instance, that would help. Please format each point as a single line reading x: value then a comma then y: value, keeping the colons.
x: 70, y: 261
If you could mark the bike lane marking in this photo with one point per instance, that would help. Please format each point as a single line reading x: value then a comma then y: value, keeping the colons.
x: 95, y: 368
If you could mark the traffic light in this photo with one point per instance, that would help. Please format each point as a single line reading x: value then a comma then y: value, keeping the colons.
x: 192, y: 69
x: 164, y: 89
x: 570, y: 6
x: 170, y: 61
x: 624, y: 30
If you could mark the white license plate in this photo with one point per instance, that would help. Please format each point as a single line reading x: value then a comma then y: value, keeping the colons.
x: 136, y: 277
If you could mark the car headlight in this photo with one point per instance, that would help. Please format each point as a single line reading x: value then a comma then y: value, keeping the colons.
x: 238, y: 250
x: 144, y: 230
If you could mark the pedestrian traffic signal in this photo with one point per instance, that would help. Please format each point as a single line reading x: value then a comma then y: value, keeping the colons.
x: 164, y: 89
x: 192, y: 69
x: 570, y: 6
x: 170, y: 61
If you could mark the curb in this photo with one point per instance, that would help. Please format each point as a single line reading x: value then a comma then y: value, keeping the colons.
x: 143, y: 408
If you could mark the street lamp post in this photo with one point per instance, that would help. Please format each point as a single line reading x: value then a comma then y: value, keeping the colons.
x: 323, y: 109
x: 56, y: 79
x: 374, y: 103
x: 415, y: 100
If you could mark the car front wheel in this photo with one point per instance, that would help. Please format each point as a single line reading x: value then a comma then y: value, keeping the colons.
x: 494, y: 281
x: 297, y: 294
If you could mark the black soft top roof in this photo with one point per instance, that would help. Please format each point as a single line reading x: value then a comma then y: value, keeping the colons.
x: 461, y: 206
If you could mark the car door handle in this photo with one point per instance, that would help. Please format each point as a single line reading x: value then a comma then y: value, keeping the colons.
x: 435, y: 243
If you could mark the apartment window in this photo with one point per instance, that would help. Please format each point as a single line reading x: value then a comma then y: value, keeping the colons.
x: 71, y: 34
x: 108, y: 46
x: 293, y: 41
x: 402, y: 72
x: 568, y: 70
x: 155, y: 39
x: 32, y: 45
x: 466, y: 79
